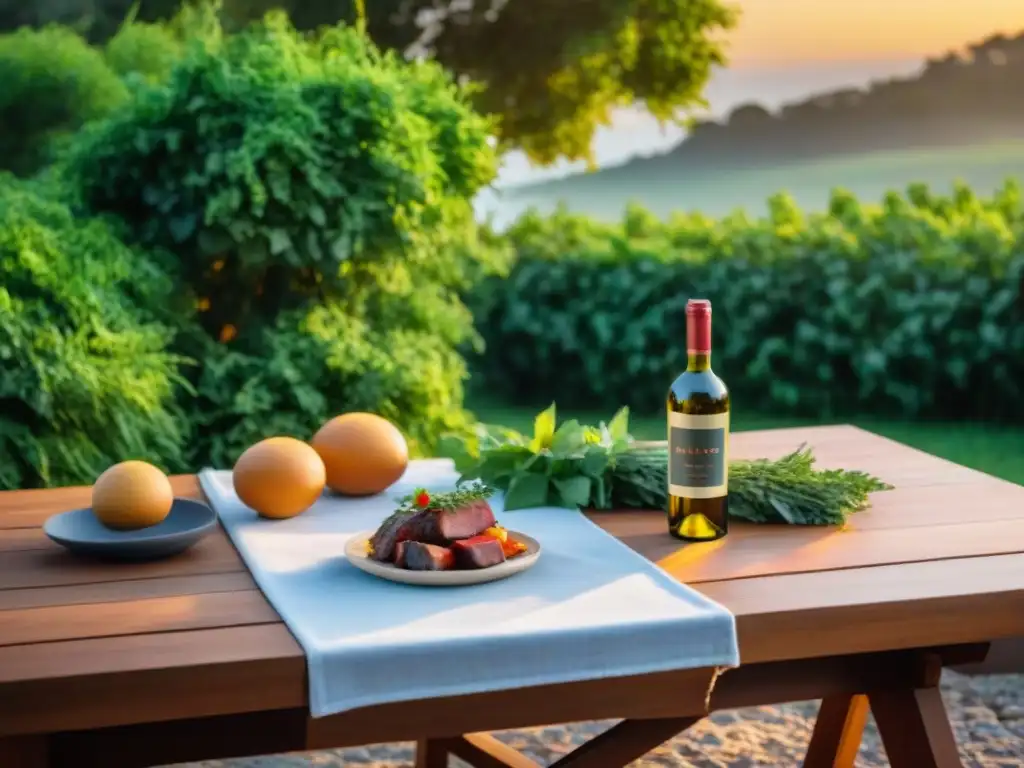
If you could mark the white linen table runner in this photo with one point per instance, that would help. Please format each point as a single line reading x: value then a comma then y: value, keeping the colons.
x: 590, y: 608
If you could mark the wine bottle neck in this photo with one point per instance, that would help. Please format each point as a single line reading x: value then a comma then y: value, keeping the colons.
x: 698, y: 340
x: 698, y: 361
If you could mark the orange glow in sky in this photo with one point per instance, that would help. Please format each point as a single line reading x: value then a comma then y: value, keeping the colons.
x: 786, y: 31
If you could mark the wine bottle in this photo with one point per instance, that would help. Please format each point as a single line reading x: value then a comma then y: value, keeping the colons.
x: 698, y: 438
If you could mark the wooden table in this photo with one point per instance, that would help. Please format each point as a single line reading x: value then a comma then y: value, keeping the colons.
x: 115, y: 666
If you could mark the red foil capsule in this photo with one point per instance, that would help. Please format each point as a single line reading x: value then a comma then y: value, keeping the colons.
x: 698, y: 327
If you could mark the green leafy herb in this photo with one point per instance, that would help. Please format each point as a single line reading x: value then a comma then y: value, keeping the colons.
x: 602, y: 467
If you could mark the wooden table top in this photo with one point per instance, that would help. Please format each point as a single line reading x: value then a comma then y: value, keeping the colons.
x: 938, y: 560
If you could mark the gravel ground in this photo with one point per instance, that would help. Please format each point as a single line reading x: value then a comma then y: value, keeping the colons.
x: 987, y: 714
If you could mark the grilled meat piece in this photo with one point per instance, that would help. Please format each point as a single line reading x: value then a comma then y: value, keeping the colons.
x: 402, y: 526
x: 426, y: 557
x: 464, y: 522
x: 478, y: 552
x: 430, y: 526
x: 400, y: 553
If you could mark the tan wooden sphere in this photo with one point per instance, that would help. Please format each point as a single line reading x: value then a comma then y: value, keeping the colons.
x: 279, y: 477
x: 363, y: 453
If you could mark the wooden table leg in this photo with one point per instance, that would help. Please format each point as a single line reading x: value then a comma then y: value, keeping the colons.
x: 24, y: 752
x: 432, y: 753
x: 623, y: 743
x: 615, y: 748
x: 482, y: 750
x: 837, y: 732
x: 915, y: 728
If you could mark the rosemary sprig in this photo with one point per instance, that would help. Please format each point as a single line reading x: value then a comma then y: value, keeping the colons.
x: 421, y: 499
x: 787, y: 490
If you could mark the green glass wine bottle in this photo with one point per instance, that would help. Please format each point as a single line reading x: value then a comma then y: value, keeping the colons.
x: 698, y: 438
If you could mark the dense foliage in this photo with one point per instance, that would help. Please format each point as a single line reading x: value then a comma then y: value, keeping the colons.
x: 291, y: 377
x: 553, y: 72
x: 87, y: 380
x: 914, y: 307
x: 149, y: 51
x: 316, y: 195
x: 51, y: 83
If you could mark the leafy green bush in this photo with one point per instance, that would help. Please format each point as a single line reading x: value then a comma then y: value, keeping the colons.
x: 148, y: 51
x: 914, y: 307
x: 290, y: 173
x: 86, y: 378
x: 280, y: 167
x: 51, y: 83
x: 292, y: 377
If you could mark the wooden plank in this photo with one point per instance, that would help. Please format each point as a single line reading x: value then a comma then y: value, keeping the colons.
x: 671, y: 694
x: 757, y: 551
x: 141, y: 653
x: 904, y: 525
x: 29, y: 509
x: 833, y: 446
x: 915, y: 605
x: 14, y: 539
x: 118, y: 591
x: 135, y: 617
x: 57, y: 567
x: 1006, y: 657
x: 24, y: 752
x: 181, y: 741
x: 758, y: 684
x: 988, y: 501
x: 81, y: 684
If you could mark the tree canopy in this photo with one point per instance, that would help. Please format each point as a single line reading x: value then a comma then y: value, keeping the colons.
x: 551, y: 71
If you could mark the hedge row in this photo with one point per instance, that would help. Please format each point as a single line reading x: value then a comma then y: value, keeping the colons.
x: 914, y: 307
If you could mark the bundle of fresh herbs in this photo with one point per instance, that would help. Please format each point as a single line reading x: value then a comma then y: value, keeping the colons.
x: 603, y: 467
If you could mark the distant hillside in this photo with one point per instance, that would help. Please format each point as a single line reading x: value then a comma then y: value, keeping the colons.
x: 962, y: 99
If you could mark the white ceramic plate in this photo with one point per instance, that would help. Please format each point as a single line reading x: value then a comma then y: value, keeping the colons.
x: 355, y: 551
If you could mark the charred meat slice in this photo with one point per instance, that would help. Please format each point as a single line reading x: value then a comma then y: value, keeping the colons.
x: 478, y: 552
x: 403, y: 526
x: 430, y: 526
x: 400, y: 553
x: 463, y: 522
x: 385, y: 539
x: 433, y: 518
x: 418, y: 556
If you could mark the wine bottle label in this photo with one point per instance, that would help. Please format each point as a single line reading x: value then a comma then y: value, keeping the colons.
x: 698, y: 455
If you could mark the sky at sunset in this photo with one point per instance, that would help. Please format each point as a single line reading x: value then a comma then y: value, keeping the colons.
x: 784, y: 51
x: 788, y: 31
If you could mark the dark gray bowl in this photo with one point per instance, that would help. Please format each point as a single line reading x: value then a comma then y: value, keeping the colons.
x: 81, y: 532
